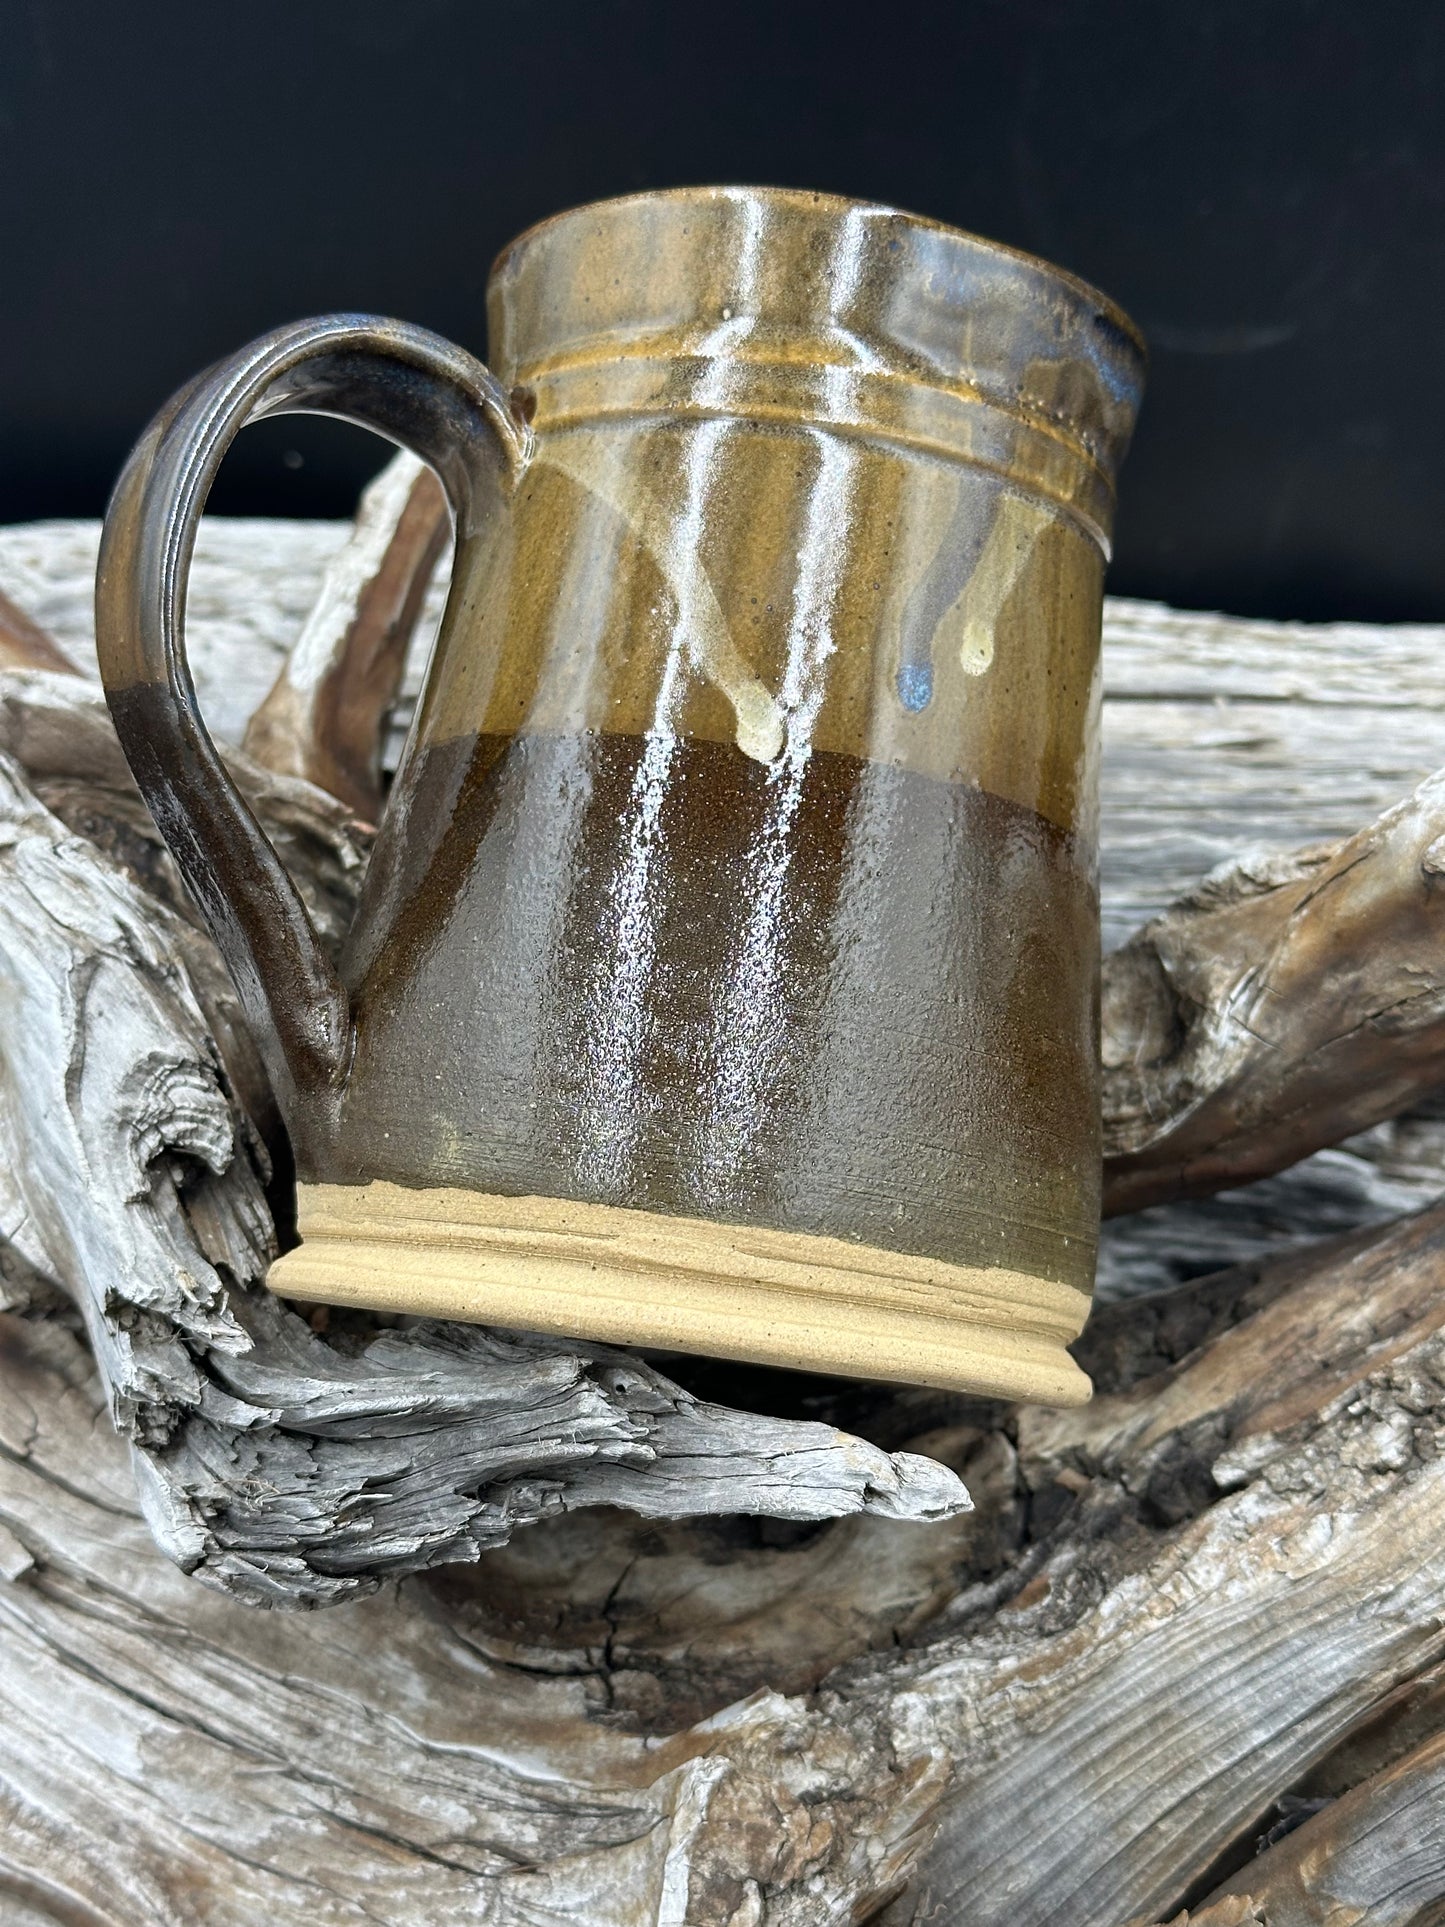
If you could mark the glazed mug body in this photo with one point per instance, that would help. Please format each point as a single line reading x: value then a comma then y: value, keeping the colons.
x: 725, y: 976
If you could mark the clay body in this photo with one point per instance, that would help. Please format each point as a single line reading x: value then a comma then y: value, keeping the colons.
x: 740, y: 870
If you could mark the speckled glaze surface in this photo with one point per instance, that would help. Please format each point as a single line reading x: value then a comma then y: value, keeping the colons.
x: 740, y: 871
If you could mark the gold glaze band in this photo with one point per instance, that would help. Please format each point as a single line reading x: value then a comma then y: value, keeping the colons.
x: 683, y: 1284
x: 957, y: 424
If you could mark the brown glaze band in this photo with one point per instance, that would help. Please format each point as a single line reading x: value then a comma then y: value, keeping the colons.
x: 797, y: 1061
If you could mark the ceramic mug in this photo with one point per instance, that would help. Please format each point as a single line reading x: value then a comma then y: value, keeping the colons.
x: 725, y: 975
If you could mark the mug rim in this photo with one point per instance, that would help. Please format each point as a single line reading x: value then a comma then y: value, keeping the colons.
x: 836, y: 203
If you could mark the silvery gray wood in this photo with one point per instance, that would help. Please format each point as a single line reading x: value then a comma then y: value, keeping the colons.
x: 1083, y: 1701
x: 132, y: 1180
x: 1201, y: 1594
x: 324, y: 717
x: 1371, y: 1856
x: 1283, y: 1004
x: 1221, y: 736
x: 1239, y: 1578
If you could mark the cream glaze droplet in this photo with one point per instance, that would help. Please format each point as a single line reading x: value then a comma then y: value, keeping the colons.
x: 1018, y: 523
x: 759, y: 726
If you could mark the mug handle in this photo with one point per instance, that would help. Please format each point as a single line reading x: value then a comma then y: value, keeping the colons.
x: 412, y: 387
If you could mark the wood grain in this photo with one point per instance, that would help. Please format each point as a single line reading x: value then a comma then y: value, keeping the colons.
x: 1178, y: 1622
x: 1285, y: 1004
x: 134, y: 1182
x: 322, y: 717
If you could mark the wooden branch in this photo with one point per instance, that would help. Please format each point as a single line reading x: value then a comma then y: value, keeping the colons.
x: 59, y: 734
x: 1284, y: 1005
x: 1238, y: 1570
x: 1224, y: 734
x: 323, y: 716
x: 169, y: 1755
x: 24, y: 644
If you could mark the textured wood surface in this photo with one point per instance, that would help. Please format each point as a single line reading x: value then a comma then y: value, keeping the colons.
x: 24, y: 644
x: 134, y: 1183
x: 1176, y: 1604
x: 1278, y: 1581
x: 320, y: 717
x: 1223, y: 738
x: 1204, y: 1612
x: 1373, y: 1856
x: 1285, y: 1004
x: 1220, y: 734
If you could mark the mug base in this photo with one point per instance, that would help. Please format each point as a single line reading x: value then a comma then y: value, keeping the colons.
x: 643, y: 1279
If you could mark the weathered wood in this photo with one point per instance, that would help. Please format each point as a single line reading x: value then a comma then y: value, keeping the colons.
x: 1376, y: 1856
x: 1241, y: 1569
x: 24, y: 644
x: 274, y: 1463
x: 1181, y: 1600
x: 323, y: 716
x: 1212, y: 1592
x: 1286, y: 1004
x: 1224, y: 735
x: 168, y: 1756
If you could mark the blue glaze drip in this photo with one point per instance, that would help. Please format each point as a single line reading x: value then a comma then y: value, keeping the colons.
x: 915, y: 685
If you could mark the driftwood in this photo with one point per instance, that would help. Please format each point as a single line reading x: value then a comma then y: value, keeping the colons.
x: 321, y: 719
x: 1372, y: 1855
x: 1288, y: 1003
x: 1128, y: 1669
x: 24, y: 644
x: 270, y: 1462
x: 1202, y: 1616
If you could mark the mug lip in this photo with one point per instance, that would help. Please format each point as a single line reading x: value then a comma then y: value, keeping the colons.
x: 837, y: 203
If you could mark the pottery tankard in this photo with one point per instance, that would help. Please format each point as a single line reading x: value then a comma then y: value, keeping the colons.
x: 725, y: 975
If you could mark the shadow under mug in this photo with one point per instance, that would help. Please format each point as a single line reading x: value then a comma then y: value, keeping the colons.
x: 725, y: 976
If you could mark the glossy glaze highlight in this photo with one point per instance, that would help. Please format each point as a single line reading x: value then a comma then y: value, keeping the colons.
x: 740, y: 869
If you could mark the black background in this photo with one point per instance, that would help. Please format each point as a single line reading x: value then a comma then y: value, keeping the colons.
x: 1261, y: 185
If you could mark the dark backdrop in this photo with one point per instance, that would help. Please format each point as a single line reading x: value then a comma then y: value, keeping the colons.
x: 1262, y: 185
